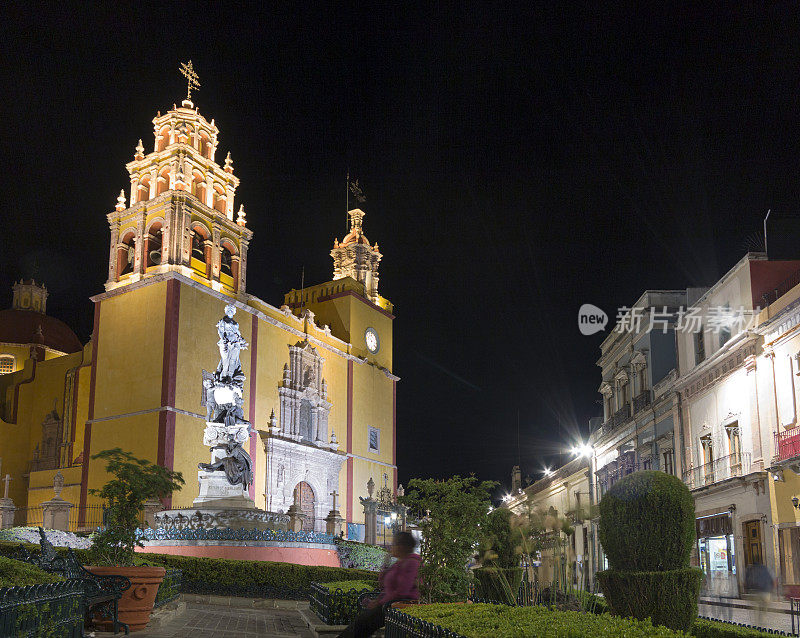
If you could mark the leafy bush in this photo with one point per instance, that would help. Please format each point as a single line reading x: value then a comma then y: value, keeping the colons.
x: 713, y: 629
x: 135, y: 482
x: 359, y: 555
x: 15, y: 573
x: 252, y: 578
x: 668, y: 598
x: 498, y: 545
x: 647, y: 523
x: 501, y: 621
x: 458, y: 508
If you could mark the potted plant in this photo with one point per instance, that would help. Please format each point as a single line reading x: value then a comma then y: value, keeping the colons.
x: 113, y: 549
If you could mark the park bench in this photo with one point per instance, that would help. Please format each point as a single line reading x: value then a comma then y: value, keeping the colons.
x: 101, y: 594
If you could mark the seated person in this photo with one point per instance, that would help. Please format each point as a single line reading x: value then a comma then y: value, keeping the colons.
x: 398, y: 582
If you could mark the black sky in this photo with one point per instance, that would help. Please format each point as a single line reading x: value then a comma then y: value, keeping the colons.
x: 518, y: 162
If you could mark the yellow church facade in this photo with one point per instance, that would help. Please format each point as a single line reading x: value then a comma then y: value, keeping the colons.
x: 177, y: 257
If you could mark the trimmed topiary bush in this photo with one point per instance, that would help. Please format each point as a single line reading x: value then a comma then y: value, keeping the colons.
x: 15, y: 573
x: 647, y: 529
x: 714, y: 629
x: 647, y: 523
x: 668, y: 598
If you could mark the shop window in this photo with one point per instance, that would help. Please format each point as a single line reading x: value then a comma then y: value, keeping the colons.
x: 6, y: 364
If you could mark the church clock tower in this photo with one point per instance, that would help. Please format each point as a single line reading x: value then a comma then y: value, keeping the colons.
x: 181, y: 212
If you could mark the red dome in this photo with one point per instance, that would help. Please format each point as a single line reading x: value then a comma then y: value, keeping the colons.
x: 20, y: 326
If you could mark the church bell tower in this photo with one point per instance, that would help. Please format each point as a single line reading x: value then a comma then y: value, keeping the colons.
x: 354, y: 257
x: 181, y: 212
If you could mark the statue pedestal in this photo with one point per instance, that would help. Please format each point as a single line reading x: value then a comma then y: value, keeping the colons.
x: 7, y: 510
x: 217, y: 493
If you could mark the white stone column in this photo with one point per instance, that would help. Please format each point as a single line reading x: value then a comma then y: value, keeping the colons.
x: 7, y: 510
x: 370, y: 520
x: 55, y: 514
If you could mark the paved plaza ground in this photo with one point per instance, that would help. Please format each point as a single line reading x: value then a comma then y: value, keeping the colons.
x: 214, y: 621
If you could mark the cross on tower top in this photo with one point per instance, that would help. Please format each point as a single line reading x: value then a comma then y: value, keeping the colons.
x: 192, y: 81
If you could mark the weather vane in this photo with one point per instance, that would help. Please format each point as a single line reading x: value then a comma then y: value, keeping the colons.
x: 192, y: 81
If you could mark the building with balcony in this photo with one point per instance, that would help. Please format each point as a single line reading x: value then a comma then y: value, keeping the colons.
x: 778, y: 369
x: 638, y: 363
x: 726, y: 436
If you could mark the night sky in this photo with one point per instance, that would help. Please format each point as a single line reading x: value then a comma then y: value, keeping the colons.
x: 517, y: 163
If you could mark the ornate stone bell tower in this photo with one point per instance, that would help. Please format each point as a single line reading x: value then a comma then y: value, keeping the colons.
x: 181, y: 211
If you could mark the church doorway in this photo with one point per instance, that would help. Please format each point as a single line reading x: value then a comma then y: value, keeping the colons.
x: 304, y: 497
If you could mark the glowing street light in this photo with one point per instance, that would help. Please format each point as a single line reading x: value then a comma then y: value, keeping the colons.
x: 582, y: 450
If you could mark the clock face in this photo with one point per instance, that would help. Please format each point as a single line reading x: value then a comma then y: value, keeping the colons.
x: 371, y: 337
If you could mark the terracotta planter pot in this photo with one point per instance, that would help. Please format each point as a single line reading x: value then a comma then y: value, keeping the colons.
x: 136, y: 603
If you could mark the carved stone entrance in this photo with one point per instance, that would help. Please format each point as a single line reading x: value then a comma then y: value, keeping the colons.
x: 304, y: 497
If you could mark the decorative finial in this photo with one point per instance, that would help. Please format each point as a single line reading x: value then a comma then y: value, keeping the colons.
x: 121, y: 201
x: 240, y: 219
x: 139, y: 150
x: 228, y: 163
x: 192, y: 81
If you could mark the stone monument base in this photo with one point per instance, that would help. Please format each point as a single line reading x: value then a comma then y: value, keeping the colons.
x: 217, y: 493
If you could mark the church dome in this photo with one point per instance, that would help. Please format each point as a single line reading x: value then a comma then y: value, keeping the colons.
x: 26, y: 323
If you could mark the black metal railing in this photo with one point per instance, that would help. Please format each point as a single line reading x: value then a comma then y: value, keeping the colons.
x: 617, y: 419
x: 720, y: 469
x: 337, y: 607
x: 53, y: 609
x: 641, y: 401
x: 170, y: 588
x: 81, y: 518
x: 401, y: 625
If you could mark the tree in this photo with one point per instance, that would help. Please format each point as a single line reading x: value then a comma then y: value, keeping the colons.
x: 457, y: 507
x: 135, y: 482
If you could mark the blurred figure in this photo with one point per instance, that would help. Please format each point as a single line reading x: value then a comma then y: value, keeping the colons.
x: 760, y: 582
x: 719, y: 589
x: 397, y: 582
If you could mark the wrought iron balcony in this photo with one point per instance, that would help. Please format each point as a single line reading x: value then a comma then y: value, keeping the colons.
x: 641, y: 401
x: 717, y: 470
x: 618, y: 418
x: 787, y: 444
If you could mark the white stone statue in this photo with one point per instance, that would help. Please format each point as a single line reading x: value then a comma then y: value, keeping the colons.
x: 230, y: 343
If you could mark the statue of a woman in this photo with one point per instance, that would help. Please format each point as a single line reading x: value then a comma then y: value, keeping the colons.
x: 230, y: 343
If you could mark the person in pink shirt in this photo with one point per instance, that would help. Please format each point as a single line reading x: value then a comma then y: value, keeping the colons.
x: 398, y: 582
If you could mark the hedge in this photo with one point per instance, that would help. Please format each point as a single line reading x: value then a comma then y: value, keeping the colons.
x: 713, y: 629
x: 15, y: 573
x: 667, y: 598
x: 500, y: 621
x: 247, y: 578
x: 647, y: 523
x: 360, y: 556
x: 350, y: 585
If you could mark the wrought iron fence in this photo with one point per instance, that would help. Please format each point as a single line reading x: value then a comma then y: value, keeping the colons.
x: 53, y: 609
x: 787, y: 444
x: 720, y: 469
x: 170, y: 588
x: 225, y: 534
x: 81, y: 519
x: 337, y: 607
x: 641, y: 401
x: 401, y: 625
